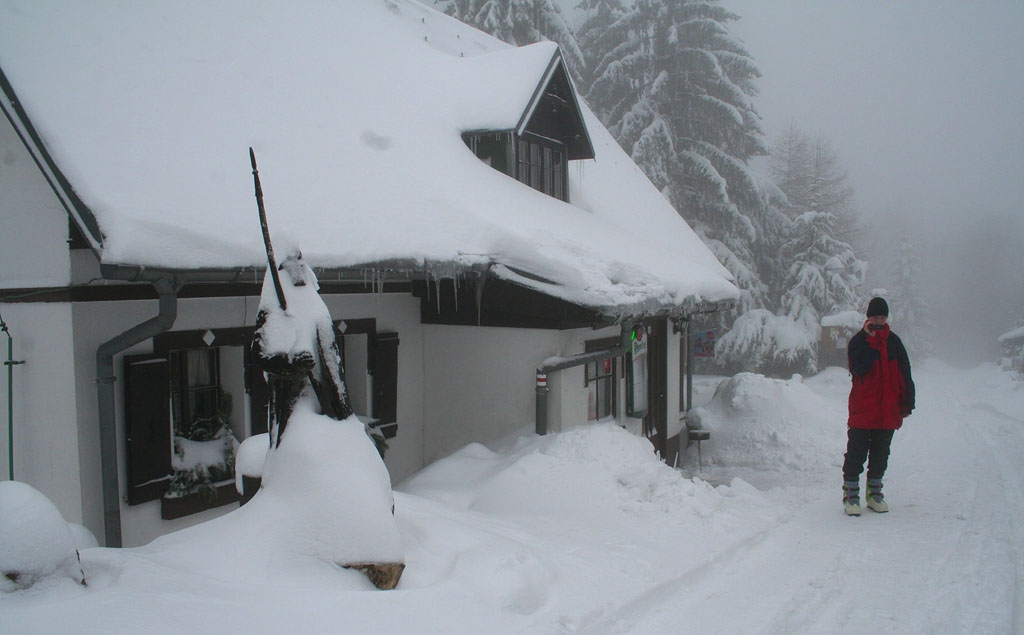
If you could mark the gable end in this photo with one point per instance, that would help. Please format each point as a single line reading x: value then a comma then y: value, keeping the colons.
x: 554, y: 112
x: 80, y: 214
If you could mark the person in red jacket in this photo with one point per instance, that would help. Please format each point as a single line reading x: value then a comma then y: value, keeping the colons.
x: 882, y: 395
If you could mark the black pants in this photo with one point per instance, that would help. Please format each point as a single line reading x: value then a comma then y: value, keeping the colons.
x: 870, y: 444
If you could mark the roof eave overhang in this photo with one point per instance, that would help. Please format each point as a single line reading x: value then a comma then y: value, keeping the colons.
x: 376, y: 274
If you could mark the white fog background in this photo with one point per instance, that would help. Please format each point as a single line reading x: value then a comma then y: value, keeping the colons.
x: 922, y: 101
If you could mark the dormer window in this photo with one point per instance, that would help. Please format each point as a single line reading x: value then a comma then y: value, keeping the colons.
x: 533, y: 160
x: 549, y: 134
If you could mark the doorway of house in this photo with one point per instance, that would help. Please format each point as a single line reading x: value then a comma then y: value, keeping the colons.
x: 656, y: 420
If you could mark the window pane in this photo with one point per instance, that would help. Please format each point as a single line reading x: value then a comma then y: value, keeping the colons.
x: 558, y: 176
x: 195, y: 387
x: 549, y: 186
x: 600, y: 384
x: 492, y: 150
x: 523, y: 162
x: 201, y: 368
x: 592, y: 402
x: 605, y: 403
x: 202, y: 405
x: 535, y: 164
x: 175, y: 361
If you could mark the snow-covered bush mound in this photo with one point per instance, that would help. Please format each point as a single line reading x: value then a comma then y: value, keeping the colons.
x: 774, y: 424
x: 325, y: 501
x: 35, y: 540
x: 330, y: 476
x: 588, y: 471
x: 84, y: 539
x: 250, y: 458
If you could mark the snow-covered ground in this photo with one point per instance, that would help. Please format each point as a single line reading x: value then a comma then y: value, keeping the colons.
x: 584, y: 532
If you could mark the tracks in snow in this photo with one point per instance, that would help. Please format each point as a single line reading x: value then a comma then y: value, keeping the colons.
x: 948, y: 558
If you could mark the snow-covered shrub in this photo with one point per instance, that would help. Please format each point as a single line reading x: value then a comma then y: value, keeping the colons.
x: 200, y: 465
x: 35, y: 540
x: 771, y: 424
x: 765, y: 343
x: 84, y: 539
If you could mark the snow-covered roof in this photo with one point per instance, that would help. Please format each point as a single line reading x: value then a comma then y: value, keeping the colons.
x: 355, y: 110
x: 1012, y: 336
x: 850, y: 319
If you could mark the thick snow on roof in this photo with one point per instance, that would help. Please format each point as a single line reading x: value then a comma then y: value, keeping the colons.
x: 850, y: 319
x: 1012, y: 336
x: 355, y: 110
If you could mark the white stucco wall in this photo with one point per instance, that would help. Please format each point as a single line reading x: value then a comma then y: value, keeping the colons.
x: 33, y: 254
x: 398, y: 313
x: 487, y: 388
x: 33, y: 225
x: 478, y: 383
x: 44, y: 426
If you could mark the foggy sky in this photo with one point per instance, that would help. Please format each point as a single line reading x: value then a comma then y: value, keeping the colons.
x: 923, y: 100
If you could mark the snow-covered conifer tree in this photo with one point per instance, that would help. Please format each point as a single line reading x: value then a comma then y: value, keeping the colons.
x: 676, y: 91
x: 825, y: 275
x: 812, y: 271
x: 911, y: 314
x: 595, y: 34
x: 520, y: 22
x: 810, y: 173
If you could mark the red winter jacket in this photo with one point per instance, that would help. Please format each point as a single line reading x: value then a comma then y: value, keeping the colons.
x: 883, y: 389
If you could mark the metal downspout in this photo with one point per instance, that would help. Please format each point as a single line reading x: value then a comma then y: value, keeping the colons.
x: 555, y: 364
x: 167, y: 287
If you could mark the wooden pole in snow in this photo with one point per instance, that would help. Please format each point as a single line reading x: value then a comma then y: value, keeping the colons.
x: 266, y: 234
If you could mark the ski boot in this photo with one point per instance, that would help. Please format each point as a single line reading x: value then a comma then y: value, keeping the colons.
x: 851, y: 498
x: 875, y: 500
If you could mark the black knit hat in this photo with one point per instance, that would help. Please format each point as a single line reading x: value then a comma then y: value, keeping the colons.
x: 878, y: 306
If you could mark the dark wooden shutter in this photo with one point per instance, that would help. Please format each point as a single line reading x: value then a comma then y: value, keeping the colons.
x: 259, y: 393
x: 148, y: 423
x: 385, y: 383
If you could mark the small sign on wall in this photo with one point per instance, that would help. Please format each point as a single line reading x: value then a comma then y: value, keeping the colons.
x: 704, y: 343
